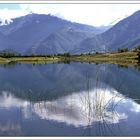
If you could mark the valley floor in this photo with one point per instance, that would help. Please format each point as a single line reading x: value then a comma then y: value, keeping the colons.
x: 125, y: 58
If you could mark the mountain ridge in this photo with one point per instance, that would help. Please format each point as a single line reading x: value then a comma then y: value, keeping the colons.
x: 119, y: 36
x: 26, y: 31
x: 47, y: 34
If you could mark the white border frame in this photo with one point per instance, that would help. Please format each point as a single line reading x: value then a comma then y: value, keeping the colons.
x: 69, y: 2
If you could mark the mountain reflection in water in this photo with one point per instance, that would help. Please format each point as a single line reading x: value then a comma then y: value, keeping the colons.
x: 93, y: 107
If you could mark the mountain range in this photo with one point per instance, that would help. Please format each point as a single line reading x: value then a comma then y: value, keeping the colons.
x: 47, y: 34
x: 125, y: 34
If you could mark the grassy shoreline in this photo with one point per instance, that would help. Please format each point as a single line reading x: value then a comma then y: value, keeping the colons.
x: 124, y: 58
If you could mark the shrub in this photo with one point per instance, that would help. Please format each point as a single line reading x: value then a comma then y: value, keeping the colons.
x: 122, y: 50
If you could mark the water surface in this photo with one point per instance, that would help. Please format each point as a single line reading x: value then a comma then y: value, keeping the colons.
x: 75, y: 99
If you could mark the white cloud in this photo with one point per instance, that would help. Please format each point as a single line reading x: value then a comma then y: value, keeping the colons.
x: 7, y: 14
x: 93, y: 14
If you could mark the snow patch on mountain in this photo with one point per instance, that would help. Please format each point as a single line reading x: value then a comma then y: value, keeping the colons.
x: 5, y: 21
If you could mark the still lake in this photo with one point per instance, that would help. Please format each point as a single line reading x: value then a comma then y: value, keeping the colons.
x: 76, y: 99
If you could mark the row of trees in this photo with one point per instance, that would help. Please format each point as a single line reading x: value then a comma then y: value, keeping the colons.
x: 9, y: 53
x: 13, y: 53
x: 136, y: 49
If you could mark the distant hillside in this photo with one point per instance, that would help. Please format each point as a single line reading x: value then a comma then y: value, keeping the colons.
x: 125, y: 34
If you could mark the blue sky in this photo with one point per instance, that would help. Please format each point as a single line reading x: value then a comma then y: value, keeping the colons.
x: 9, y: 6
x: 92, y: 14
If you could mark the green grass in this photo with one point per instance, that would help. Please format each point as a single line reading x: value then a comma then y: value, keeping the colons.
x: 35, y: 59
x: 3, y: 60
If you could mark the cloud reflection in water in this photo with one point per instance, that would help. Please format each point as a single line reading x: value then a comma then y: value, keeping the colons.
x: 77, y: 109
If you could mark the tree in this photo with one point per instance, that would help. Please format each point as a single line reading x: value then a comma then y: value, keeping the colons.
x: 8, y: 53
x: 139, y: 56
x: 122, y: 50
x: 67, y: 54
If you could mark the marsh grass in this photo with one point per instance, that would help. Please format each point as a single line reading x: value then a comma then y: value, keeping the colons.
x: 99, y: 110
